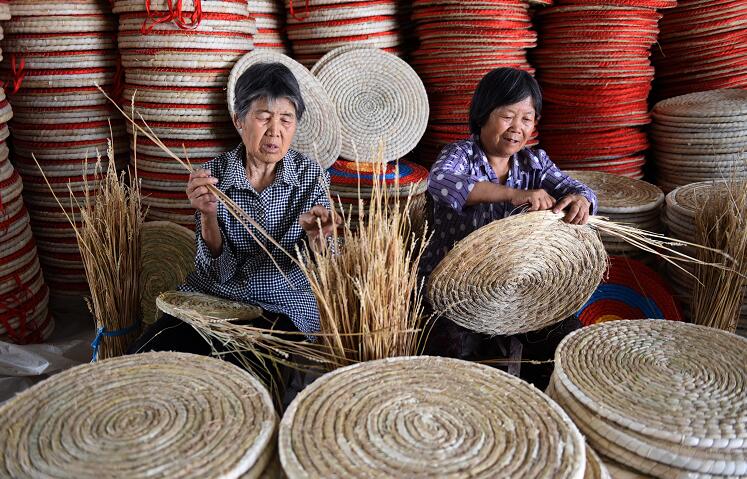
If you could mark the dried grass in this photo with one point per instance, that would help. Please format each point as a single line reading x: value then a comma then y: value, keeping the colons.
x: 108, y: 237
x: 721, y: 223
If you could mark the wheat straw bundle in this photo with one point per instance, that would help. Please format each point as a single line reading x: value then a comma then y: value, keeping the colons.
x: 147, y: 415
x: 518, y: 274
x: 167, y: 256
x: 664, y: 398
x: 719, y: 296
x: 421, y: 417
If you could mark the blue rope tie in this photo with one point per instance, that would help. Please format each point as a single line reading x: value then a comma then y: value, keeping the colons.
x: 101, y: 332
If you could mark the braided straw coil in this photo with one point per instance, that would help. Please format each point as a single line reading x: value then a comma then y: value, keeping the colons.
x: 167, y: 254
x: 318, y: 135
x: 518, y: 274
x: 145, y: 415
x: 662, y: 397
x: 421, y: 417
x: 619, y: 194
x: 182, y: 304
x: 595, y: 468
x: 378, y: 98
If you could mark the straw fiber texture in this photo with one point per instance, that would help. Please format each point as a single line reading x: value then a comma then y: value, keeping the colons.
x: 182, y: 304
x: 168, y: 256
x: 421, y: 417
x: 147, y: 415
x: 318, y: 135
x: 379, y: 98
x: 518, y: 274
x: 661, y: 397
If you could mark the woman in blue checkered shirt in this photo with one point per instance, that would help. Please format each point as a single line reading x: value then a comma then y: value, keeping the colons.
x: 282, y: 189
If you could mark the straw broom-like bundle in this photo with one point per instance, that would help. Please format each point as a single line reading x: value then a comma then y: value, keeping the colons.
x: 108, y: 236
x: 721, y: 223
x: 366, y: 282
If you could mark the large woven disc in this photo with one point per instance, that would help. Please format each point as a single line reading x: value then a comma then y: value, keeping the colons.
x: 619, y: 194
x: 714, y: 103
x: 670, y: 396
x: 318, y: 135
x: 167, y: 253
x: 181, y: 303
x: 141, y: 416
x: 420, y: 417
x: 518, y: 274
x: 380, y: 100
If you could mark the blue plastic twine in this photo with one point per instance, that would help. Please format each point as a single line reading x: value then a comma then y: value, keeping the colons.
x: 101, y: 332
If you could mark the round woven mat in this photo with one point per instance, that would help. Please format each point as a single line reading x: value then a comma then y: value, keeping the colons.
x: 180, y: 303
x: 145, y: 415
x: 167, y: 253
x: 714, y: 103
x: 595, y: 468
x: 619, y: 194
x: 380, y: 100
x: 318, y: 135
x: 513, y: 275
x: 427, y: 417
x: 665, y: 396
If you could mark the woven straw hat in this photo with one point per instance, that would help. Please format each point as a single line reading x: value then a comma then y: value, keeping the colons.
x: 180, y: 304
x: 380, y: 101
x: 319, y: 134
x: 512, y: 275
x: 382, y: 418
x: 619, y: 381
x: 167, y: 253
x: 219, y: 413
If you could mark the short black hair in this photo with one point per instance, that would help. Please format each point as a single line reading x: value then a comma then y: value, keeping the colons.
x: 501, y: 87
x: 267, y: 80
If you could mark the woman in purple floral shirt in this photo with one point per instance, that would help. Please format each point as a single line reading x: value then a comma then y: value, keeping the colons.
x: 490, y: 176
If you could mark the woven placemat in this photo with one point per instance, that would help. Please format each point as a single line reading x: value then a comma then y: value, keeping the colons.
x: 167, y: 253
x: 427, y: 417
x: 619, y: 194
x: 380, y: 100
x: 513, y: 275
x: 659, y: 396
x: 319, y: 134
x: 180, y: 303
x: 159, y: 414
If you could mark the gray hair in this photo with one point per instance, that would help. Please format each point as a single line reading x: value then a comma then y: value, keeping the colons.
x: 267, y: 80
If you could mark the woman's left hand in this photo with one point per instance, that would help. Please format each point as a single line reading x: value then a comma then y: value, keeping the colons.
x: 310, y: 221
x: 578, y: 209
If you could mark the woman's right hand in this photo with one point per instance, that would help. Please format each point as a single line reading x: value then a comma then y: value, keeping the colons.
x: 538, y: 200
x: 199, y: 195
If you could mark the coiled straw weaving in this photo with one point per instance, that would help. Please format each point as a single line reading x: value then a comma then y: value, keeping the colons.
x: 148, y: 415
x: 518, y: 274
x: 183, y: 304
x: 661, y: 397
x: 419, y: 417
x: 167, y: 256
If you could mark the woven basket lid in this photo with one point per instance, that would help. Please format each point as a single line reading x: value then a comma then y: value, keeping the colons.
x: 318, y: 135
x: 427, y: 417
x: 511, y: 276
x: 380, y: 100
x: 150, y: 408
x: 668, y: 397
x: 184, y: 304
x: 167, y: 253
x: 618, y: 194
x: 714, y: 103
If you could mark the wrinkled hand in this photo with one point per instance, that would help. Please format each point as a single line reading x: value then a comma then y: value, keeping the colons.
x: 199, y: 196
x: 538, y: 200
x: 310, y: 221
x: 577, y: 209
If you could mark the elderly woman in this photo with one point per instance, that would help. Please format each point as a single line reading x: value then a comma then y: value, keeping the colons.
x: 282, y: 189
x: 492, y: 175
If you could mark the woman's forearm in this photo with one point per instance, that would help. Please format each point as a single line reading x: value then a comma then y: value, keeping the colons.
x: 487, y: 192
x: 211, y: 235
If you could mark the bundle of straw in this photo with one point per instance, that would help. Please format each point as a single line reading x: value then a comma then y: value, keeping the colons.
x: 366, y: 282
x: 721, y: 223
x: 109, y: 240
